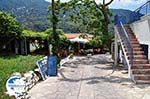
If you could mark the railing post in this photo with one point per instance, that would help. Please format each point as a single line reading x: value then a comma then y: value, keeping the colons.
x: 116, y: 50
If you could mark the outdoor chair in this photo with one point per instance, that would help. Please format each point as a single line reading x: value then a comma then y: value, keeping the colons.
x: 42, y: 65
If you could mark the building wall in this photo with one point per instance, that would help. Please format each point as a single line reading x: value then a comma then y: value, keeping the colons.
x: 141, y: 29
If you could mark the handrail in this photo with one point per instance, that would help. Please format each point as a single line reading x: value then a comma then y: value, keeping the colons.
x: 124, y: 52
x: 126, y: 40
x: 147, y: 4
x: 125, y: 31
x: 139, y: 12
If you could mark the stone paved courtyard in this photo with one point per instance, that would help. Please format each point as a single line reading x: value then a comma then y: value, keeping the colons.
x: 90, y: 78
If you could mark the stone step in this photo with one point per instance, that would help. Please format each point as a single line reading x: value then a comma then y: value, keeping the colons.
x: 140, y: 71
x: 140, y: 66
x: 141, y: 77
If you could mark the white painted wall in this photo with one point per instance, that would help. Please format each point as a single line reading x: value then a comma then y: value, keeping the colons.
x: 141, y: 29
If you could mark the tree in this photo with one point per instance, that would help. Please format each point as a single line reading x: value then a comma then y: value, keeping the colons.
x: 9, y: 26
x: 103, y: 7
x: 55, y: 40
x: 96, y: 42
x: 92, y: 17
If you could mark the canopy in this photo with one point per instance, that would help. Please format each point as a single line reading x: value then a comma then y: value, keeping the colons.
x: 79, y: 40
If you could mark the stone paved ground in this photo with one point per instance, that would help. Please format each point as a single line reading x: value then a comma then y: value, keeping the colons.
x: 89, y: 78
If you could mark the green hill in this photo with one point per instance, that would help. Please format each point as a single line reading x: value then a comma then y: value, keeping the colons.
x: 33, y: 14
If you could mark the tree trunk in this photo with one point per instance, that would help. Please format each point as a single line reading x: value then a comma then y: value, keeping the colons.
x: 55, y: 35
x: 106, y: 19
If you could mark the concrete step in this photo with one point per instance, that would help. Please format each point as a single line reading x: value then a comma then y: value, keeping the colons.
x: 136, y: 49
x: 135, y: 53
x: 142, y: 81
x: 140, y: 71
x: 140, y: 66
x: 139, y: 61
x: 134, y: 39
x: 132, y: 36
x: 133, y: 45
x: 134, y: 42
x: 138, y: 57
x: 141, y: 77
x: 136, y: 45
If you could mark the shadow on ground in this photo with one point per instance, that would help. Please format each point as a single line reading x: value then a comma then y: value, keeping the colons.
x: 97, y: 79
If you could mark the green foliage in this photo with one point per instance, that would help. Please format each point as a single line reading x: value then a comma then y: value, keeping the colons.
x: 9, y: 26
x: 85, y: 15
x: 91, y: 18
x: 59, y: 31
x: 32, y: 34
x: 107, y: 40
x: 12, y: 64
x: 47, y: 34
x: 96, y: 42
x: 63, y: 40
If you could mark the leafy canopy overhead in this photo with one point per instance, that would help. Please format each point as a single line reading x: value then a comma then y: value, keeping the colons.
x: 9, y: 26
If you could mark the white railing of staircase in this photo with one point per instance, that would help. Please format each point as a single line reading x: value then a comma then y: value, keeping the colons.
x: 125, y: 42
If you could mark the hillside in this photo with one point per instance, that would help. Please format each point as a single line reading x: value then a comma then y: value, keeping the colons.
x: 33, y: 14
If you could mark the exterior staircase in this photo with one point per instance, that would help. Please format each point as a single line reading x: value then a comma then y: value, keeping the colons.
x: 137, y: 61
x: 141, y: 67
x: 133, y: 54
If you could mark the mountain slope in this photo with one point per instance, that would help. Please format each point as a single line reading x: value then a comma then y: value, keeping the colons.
x: 33, y: 14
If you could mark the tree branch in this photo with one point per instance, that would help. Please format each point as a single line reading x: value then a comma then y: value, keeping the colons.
x: 97, y: 6
x: 109, y: 2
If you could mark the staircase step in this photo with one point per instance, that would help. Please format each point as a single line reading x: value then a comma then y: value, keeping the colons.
x: 135, y: 49
x: 134, y: 40
x: 142, y: 81
x: 141, y: 77
x: 138, y: 57
x: 135, y: 53
x: 132, y: 37
x: 135, y: 45
x: 140, y: 71
x: 140, y: 61
x: 140, y: 66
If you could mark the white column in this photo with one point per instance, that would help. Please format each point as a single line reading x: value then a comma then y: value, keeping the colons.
x: 116, y: 50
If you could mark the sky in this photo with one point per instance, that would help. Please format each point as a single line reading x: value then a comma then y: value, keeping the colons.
x: 122, y: 4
